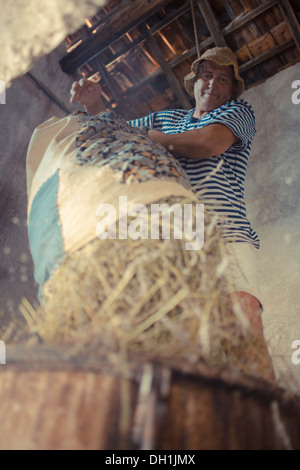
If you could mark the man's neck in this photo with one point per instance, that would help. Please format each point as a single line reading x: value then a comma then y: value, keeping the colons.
x: 198, y: 114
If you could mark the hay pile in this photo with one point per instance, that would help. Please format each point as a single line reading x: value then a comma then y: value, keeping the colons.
x: 150, y: 296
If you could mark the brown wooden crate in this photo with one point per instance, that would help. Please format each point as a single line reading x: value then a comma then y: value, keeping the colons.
x: 243, y: 54
x: 262, y: 44
x: 281, y: 33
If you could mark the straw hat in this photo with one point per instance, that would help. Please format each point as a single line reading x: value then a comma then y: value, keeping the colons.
x: 221, y: 56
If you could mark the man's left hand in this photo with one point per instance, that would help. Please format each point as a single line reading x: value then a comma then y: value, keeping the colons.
x: 157, y: 136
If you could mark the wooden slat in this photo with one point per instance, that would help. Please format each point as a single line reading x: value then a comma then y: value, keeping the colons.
x: 244, y: 18
x: 262, y: 44
x: 211, y: 22
x: 265, y: 56
x: 291, y: 19
x: 78, y: 396
x: 110, y: 83
x: 107, y: 79
x: 167, y: 70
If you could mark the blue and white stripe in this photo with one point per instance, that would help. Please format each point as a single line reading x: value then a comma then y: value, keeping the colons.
x: 222, y: 191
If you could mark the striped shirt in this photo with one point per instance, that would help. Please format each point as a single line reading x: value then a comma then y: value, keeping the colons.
x: 218, y: 181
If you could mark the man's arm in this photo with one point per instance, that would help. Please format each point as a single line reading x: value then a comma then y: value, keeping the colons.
x: 206, y: 142
x: 88, y: 93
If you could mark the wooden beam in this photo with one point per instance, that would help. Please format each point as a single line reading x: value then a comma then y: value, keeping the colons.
x: 291, y: 20
x: 110, y: 83
x: 244, y: 18
x: 98, y: 64
x: 167, y: 70
x: 172, y: 16
x: 129, y: 15
x: 211, y: 22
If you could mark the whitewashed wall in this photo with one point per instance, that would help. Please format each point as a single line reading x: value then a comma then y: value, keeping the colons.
x: 273, y: 196
x: 26, y: 107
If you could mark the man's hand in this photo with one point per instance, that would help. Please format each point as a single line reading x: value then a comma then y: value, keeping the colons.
x: 156, y: 136
x: 88, y: 93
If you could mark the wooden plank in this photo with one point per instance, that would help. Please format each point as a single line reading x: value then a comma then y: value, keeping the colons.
x: 167, y: 70
x: 244, y: 18
x: 78, y: 396
x: 281, y: 32
x: 111, y: 85
x: 265, y: 56
x: 44, y: 418
x: 211, y: 22
x: 262, y: 44
x: 129, y: 15
x: 243, y: 55
x: 291, y: 19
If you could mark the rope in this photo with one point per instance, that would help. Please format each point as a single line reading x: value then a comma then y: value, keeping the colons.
x: 195, y: 28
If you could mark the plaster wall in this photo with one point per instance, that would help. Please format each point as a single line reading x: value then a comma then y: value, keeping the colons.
x: 273, y: 195
x: 27, y: 106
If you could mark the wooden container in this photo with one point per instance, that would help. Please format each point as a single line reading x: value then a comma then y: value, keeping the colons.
x: 56, y: 398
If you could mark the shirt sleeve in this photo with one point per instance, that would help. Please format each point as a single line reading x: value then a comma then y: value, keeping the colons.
x: 239, y: 117
x: 147, y: 121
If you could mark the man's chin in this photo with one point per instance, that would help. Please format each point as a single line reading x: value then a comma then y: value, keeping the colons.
x: 214, y: 101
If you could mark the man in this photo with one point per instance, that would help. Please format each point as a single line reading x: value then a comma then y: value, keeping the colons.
x: 212, y: 142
